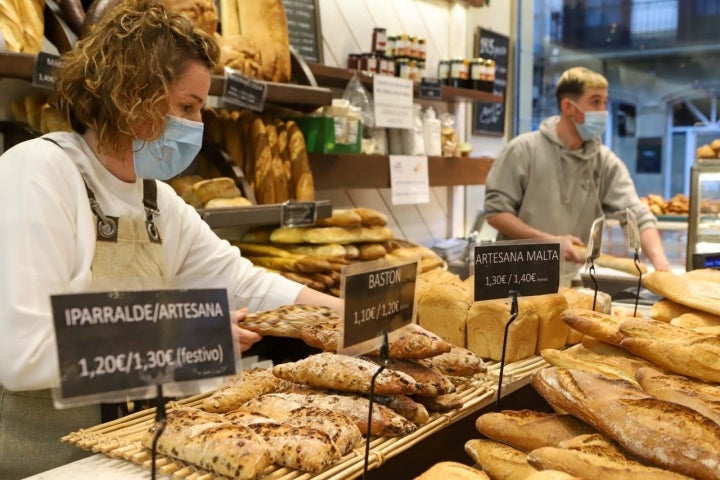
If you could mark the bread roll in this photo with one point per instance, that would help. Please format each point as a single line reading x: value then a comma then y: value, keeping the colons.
x: 220, y: 187
x: 486, y: 322
x: 705, y: 151
x: 369, y: 216
x: 228, y: 202
x: 340, y: 217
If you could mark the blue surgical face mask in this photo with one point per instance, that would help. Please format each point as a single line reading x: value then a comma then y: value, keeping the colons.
x: 594, y: 126
x: 170, y: 154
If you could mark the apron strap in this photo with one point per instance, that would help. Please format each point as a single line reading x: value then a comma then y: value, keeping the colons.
x: 151, y: 209
x: 107, y: 228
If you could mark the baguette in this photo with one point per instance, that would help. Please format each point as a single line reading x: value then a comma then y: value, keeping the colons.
x: 499, y: 460
x: 602, y: 326
x: 664, y: 433
x: 578, y: 357
x: 665, y: 310
x: 676, y: 349
x: 340, y: 218
x: 527, y: 430
x: 597, y: 459
x: 452, y: 471
x: 369, y: 216
x: 700, y: 396
x: 698, y: 289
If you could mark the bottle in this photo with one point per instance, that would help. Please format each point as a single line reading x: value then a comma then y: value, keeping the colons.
x: 431, y: 133
x: 443, y: 72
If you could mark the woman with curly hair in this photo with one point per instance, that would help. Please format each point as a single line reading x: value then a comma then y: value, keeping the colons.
x: 83, y: 212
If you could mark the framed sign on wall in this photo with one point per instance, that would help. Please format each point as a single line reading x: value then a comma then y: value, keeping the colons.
x: 303, y: 17
x: 489, y: 117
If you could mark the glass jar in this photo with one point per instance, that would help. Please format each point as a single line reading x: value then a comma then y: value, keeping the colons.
x: 353, y: 61
x: 477, y: 73
x: 402, y: 67
x: 459, y: 72
x: 379, y: 41
x: 443, y: 72
x: 422, y: 49
x: 369, y: 62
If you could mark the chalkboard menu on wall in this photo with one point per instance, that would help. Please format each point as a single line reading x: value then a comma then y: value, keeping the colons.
x: 303, y: 18
x: 489, y: 118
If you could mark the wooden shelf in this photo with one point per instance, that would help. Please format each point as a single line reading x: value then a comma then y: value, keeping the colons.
x: 373, y: 171
x: 339, y: 77
x: 17, y: 65
x: 298, y: 97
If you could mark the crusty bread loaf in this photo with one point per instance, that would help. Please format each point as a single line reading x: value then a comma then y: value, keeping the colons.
x: 596, y: 459
x: 443, y: 310
x: 664, y: 433
x: 228, y: 202
x: 458, y: 362
x: 612, y: 366
x: 700, y: 396
x: 665, y: 310
x: 583, y: 298
x: 551, y: 475
x: 265, y: 23
x: 220, y: 187
x: 405, y: 406
x: 527, y: 430
x: 694, y: 320
x: 370, y: 216
x: 602, y: 326
x: 552, y: 331
x: 486, y: 321
x: 452, y: 471
x: 676, y: 349
x: 499, y: 460
x: 699, y: 289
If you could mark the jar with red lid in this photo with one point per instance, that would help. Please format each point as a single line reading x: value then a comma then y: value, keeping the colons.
x: 353, y: 61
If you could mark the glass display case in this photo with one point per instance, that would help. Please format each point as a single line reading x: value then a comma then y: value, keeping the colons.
x: 703, y: 243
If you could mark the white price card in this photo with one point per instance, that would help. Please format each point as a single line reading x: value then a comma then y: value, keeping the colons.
x: 409, y: 182
x: 393, y: 102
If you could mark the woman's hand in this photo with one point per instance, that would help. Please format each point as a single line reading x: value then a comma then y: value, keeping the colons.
x: 242, y: 339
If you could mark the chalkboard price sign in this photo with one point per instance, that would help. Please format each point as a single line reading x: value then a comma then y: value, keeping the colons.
x: 303, y: 18
x: 114, y: 341
x: 489, y: 118
x: 379, y: 297
x: 527, y: 268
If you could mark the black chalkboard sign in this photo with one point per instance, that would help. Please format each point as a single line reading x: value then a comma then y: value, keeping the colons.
x: 112, y: 341
x: 303, y: 18
x: 489, y: 118
x: 529, y: 268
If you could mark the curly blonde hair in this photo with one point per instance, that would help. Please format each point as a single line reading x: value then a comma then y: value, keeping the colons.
x: 119, y: 74
x: 574, y: 81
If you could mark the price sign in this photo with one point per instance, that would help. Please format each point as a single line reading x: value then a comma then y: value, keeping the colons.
x: 430, y: 89
x: 379, y: 297
x: 298, y: 214
x: 243, y: 91
x: 594, y: 247
x: 123, y: 340
x: 529, y: 268
x: 44, y: 70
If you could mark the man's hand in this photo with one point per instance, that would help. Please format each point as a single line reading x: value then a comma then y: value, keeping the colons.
x: 569, y: 253
x: 242, y: 339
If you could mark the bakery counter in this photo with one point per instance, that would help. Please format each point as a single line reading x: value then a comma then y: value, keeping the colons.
x: 119, y: 455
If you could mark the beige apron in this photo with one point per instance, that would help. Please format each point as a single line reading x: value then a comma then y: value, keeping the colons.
x: 128, y: 254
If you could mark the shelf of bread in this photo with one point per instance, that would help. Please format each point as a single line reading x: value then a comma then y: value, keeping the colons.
x: 339, y: 77
x: 373, y: 171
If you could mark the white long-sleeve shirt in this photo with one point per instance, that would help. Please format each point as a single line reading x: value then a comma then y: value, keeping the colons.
x: 47, y: 245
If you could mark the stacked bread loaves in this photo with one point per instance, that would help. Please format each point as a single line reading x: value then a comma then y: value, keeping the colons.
x: 22, y: 25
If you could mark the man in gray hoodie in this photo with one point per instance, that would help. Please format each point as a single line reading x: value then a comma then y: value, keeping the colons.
x: 553, y: 183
